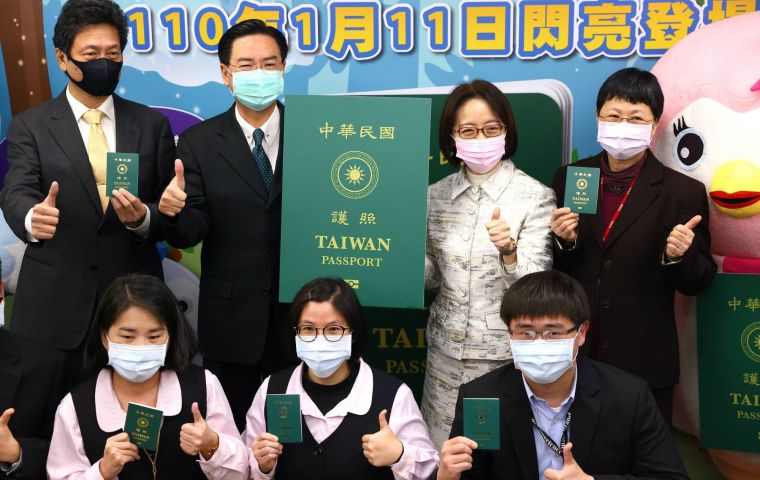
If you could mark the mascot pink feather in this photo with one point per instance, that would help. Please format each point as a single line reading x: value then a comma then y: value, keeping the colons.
x: 710, y: 130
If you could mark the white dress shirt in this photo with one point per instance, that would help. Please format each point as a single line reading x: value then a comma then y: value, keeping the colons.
x: 271, y: 129
x: 108, y: 125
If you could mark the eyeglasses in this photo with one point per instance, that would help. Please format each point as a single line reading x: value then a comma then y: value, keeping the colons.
x: 490, y: 130
x: 551, y: 334
x: 268, y: 65
x: 617, y: 119
x: 332, y: 333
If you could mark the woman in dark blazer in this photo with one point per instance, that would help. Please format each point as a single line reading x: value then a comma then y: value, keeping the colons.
x: 649, y: 237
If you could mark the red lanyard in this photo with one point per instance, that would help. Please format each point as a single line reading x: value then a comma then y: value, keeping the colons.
x: 620, y: 207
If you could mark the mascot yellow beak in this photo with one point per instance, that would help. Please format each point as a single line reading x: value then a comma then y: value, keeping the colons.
x: 735, y: 189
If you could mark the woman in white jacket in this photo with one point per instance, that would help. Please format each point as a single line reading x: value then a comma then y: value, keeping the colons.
x: 488, y: 225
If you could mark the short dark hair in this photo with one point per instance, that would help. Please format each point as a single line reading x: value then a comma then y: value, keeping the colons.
x: 150, y: 294
x: 494, y: 97
x: 76, y: 15
x: 545, y: 294
x: 342, y: 297
x: 635, y: 86
x: 252, y: 26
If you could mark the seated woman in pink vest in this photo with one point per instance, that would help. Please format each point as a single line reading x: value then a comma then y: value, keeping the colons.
x: 145, y: 346
x: 357, y: 422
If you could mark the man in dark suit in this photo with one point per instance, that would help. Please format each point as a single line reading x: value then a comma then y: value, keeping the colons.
x: 32, y: 382
x: 54, y: 196
x: 230, y: 176
x: 558, y: 419
x: 649, y: 238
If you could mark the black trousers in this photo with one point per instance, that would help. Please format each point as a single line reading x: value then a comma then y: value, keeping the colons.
x: 664, y: 399
x: 240, y: 382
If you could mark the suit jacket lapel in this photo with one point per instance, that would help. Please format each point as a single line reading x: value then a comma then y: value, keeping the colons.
x: 9, y: 376
x: 234, y: 150
x: 585, y: 410
x: 594, y: 223
x: 277, y: 187
x: 63, y: 128
x: 516, y: 413
x: 644, y: 192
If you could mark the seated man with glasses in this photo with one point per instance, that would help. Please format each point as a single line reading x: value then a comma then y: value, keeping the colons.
x: 560, y: 419
x: 358, y: 422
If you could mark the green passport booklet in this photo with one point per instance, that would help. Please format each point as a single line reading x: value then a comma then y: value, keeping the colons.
x: 481, y: 422
x: 122, y: 171
x: 143, y: 425
x: 284, y: 417
x: 582, y: 189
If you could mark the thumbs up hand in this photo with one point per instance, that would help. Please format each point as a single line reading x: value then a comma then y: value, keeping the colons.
x: 570, y: 471
x: 680, y: 238
x: 197, y: 437
x: 173, y: 199
x: 45, y: 215
x: 382, y: 448
x: 498, y: 232
x: 10, y: 450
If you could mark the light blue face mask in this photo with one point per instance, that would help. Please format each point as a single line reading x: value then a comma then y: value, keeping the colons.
x: 257, y: 89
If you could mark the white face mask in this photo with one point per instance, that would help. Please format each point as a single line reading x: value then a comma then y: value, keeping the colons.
x: 543, y: 361
x: 322, y: 356
x: 623, y: 140
x: 136, y: 363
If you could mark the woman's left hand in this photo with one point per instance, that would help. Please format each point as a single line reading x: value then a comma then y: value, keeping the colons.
x: 382, y: 448
x: 499, y: 233
x: 197, y: 437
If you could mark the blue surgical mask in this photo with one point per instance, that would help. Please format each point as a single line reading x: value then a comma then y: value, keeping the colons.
x: 136, y: 363
x: 543, y: 361
x: 322, y: 356
x: 257, y: 89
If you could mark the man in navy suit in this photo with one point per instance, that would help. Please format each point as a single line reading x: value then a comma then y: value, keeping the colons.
x: 33, y: 379
x: 227, y: 192
x: 560, y: 419
x: 79, y: 236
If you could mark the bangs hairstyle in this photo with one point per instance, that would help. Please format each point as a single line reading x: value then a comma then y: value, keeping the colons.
x: 152, y: 295
x: 550, y: 294
x: 342, y: 297
x: 76, y: 15
x: 252, y: 26
x: 495, y: 99
x: 634, y: 86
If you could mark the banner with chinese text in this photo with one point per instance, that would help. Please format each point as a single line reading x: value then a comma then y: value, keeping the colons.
x: 355, y: 196
x: 728, y: 332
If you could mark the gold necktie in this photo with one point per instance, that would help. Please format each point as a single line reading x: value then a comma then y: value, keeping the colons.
x: 97, y: 148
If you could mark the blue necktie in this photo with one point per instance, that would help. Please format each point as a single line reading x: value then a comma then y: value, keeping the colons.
x: 262, y: 161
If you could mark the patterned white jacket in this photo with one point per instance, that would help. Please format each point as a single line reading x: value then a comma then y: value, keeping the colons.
x: 464, y: 266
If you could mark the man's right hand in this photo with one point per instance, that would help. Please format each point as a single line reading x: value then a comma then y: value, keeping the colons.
x: 173, y: 199
x: 565, y: 224
x: 118, y: 452
x: 45, y: 216
x: 456, y: 457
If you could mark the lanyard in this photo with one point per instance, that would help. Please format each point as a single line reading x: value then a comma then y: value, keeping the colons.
x: 620, y: 207
x: 549, y: 442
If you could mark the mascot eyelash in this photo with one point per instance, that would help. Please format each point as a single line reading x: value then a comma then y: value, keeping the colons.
x: 679, y: 126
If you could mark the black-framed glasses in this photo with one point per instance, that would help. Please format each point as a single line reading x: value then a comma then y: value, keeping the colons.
x: 635, y: 120
x: 551, y: 334
x: 469, y: 132
x: 332, y: 333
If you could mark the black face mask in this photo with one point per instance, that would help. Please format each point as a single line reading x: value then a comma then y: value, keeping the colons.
x: 99, y: 77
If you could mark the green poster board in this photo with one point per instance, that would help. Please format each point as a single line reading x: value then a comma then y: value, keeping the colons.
x: 728, y: 335
x: 355, y: 196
